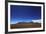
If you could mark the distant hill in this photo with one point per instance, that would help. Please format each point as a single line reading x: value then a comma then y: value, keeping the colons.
x: 33, y: 21
x: 26, y: 22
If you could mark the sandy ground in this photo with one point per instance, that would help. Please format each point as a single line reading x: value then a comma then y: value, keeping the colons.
x: 30, y: 25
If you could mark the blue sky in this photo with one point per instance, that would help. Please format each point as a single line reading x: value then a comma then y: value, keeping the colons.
x: 21, y: 13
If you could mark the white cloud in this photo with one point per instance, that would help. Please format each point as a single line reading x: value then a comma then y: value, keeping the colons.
x: 14, y: 22
x: 39, y: 21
